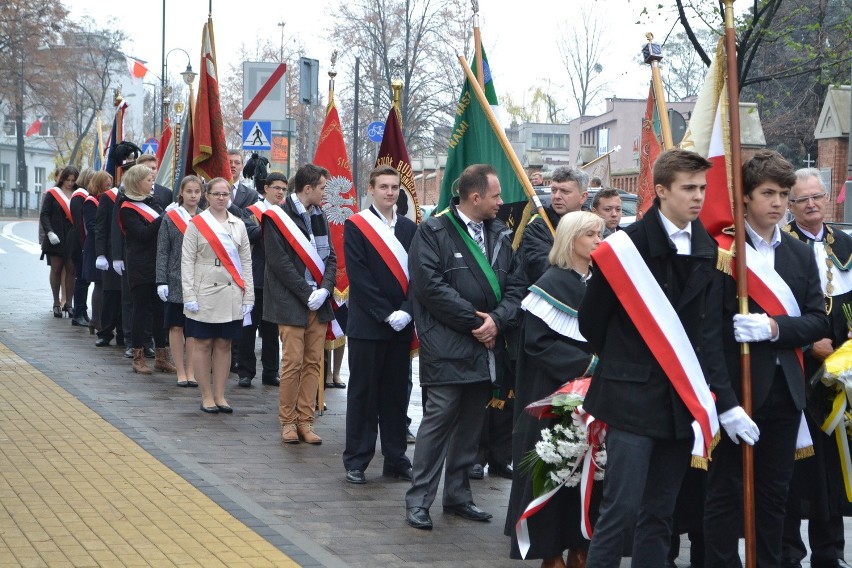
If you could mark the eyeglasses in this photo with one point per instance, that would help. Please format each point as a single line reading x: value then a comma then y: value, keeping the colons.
x: 278, y: 187
x: 815, y: 198
x: 219, y: 195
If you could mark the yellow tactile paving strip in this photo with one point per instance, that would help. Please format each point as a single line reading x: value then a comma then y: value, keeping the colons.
x: 75, y: 491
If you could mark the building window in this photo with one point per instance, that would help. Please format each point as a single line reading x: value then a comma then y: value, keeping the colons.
x: 38, y: 184
x: 545, y: 141
x: 4, y: 183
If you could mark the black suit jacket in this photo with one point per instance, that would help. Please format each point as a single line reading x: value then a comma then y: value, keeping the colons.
x: 796, y: 265
x: 374, y: 292
x: 629, y: 389
x: 245, y: 196
x: 162, y: 196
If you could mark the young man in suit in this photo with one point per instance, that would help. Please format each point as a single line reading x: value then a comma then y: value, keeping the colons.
x: 379, y: 330
x: 668, y: 261
x: 241, y: 195
x: 786, y: 312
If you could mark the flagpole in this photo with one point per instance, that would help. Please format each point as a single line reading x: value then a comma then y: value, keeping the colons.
x: 504, y: 142
x: 601, y: 157
x: 477, y: 46
x: 742, y: 284
x: 653, y: 55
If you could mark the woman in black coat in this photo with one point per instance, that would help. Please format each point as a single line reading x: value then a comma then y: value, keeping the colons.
x: 140, y: 217
x: 553, y: 353
x: 57, y: 223
x: 101, y: 183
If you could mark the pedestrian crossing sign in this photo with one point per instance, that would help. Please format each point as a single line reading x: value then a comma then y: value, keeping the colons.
x: 257, y: 135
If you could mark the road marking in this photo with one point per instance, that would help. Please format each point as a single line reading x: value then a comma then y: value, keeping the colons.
x: 22, y: 243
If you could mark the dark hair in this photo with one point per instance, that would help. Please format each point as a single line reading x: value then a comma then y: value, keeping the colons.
x: 474, y: 179
x: 309, y: 174
x: 186, y: 180
x: 383, y: 171
x: 607, y: 193
x: 274, y: 176
x: 674, y: 161
x: 564, y: 173
x: 66, y: 173
x: 596, y: 182
x: 767, y: 165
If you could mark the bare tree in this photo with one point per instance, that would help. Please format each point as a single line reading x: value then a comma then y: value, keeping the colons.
x: 583, y: 46
x: 543, y: 106
x: 683, y: 70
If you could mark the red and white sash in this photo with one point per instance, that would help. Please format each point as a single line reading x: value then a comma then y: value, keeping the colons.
x: 89, y: 199
x: 80, y: 192
x: 307, y: 253
x: 383, y: 239
x: 258, y: 208
x: 145, y: 210
x: 222, y: 244
x: 112, y: 194
x: 769, y: 290
x: 63, y: 201
x: 180, y: 217
x: 658, y: 324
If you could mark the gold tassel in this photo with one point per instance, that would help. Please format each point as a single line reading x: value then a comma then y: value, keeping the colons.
x: 331, y: 344
x: 511, y: 394
x: 496, y: 403
x: 699, y: 463
x: 526, y: 217
x: 414, y: 352
x: 725, y: 261
x: 806, y: 452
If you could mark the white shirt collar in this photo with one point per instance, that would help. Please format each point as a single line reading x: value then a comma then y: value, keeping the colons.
x: 465, y: 219
x: 818, y: 237
x: 672, y: 229
x: 391, y: 223
x: 757, y: 240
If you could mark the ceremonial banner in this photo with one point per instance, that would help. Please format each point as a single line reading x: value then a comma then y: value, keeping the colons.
x: 98, y: 146
x: 209, y: 152
x: 116, y: 135
x: 649, y: 151
x: 184, y: 142
x: 340, y: 200
x: 166, y: 158
x: 474, y: 141
x: 392, y: 152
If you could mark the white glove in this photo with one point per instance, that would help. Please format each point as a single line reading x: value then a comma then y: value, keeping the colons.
x: 752, y: 327
x: 53, y: 238
x: 163, y: 292
x: 738, y: 424
x: 398, y: 320
x: 316, y: 299
x: 191, y: 307
x: 118, y: 266
x: 247, y: 308
x: 101, y: 263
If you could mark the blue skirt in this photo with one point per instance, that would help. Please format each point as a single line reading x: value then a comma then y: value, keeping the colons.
x: 173, y: 315
x: 203, y: 330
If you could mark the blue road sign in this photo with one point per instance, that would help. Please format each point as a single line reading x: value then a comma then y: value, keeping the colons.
x: 376, y: 131
x: 257, y: 135
x: 150, y: 146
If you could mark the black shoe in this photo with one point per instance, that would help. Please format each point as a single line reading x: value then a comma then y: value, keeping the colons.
x: 79, y: 321
x: 409, y: 437
x: 403, y: 474
x: 329, y: 386
x: 149, y: 352
x: 504, y: 471
x: 418, y: 517
x: 209, y: 409
x: 128, y: 353
x: 57, y: 311
x: 225, y: 409
x: 339, y: 385
x: 356, y: 476
x: 244, y: 382
x: 468, y: 511
x: 102, y: 342
x: 273, y: 382
x: 476, y: 472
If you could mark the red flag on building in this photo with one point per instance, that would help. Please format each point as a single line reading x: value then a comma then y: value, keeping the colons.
x: 209, y: 152
x: 649, y: 150
x: 137, y: 68
x: 340, y: 201
x: 34, y: 128
x: 392, y: 152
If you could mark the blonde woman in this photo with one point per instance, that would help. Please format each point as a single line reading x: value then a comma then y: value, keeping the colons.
x: 218, y: 291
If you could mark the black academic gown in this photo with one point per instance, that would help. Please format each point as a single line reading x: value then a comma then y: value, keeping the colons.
x: 546, y: 361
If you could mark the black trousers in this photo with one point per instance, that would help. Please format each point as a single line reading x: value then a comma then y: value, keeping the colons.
x: 376, y: 401
x: 111, y: 315
x: 774, y: 454
x: 81, y: 290
x: 246, y: 361
x: 147, y: 313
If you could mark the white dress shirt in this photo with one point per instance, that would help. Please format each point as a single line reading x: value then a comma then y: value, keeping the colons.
x: 682, y: 238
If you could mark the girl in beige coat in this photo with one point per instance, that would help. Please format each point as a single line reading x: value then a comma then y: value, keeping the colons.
x: 218, y: 291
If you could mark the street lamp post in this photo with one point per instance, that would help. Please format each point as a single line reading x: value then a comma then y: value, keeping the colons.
x: 188, y: 76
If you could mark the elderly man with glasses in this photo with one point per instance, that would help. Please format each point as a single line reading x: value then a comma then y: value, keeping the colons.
x: 816, y: 491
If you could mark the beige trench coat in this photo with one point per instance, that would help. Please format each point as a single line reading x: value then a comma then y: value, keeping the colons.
x: 219, y: 297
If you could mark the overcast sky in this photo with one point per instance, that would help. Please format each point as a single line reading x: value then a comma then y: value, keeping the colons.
x: 521, y: 42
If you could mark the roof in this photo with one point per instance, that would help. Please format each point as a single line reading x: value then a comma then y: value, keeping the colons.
x: 833, y: 119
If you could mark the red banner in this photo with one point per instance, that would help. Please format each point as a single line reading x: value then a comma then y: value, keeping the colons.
x: 648, y: 153
x: 340, y: 201
x: 393, y: 152
x: 209, y: 152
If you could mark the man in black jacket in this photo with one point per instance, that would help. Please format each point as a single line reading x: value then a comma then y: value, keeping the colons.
x: 379, y: 330
x: 650, y: 434
x: 241, y: 195
x: 467, y: 289
x: 298, y: 298
x: 787, y: 269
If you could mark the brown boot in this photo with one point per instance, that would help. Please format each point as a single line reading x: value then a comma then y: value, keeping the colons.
x: 307, y: 435
x: 577, y: 558
x: 161, y: 361
x: 289, y: 434
x: 139, y: 364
